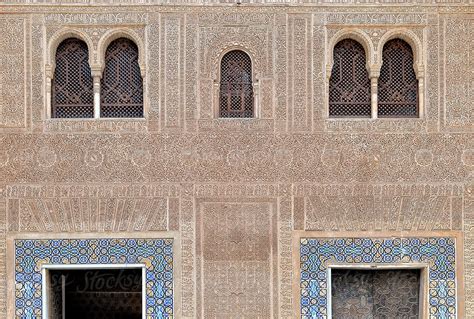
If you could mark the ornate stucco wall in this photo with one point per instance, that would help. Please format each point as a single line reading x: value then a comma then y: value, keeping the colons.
x: 263, y: 180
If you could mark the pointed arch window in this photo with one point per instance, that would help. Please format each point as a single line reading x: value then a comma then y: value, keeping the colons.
x: 397, y: 85
x: 349, y: 84
x: 121, y: 83
x: 72, y: 84
x: 236, y: 98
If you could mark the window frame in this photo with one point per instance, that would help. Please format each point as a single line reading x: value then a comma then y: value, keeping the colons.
x: 217, y: 84
x: 97, y: 64
x: 374, y: 64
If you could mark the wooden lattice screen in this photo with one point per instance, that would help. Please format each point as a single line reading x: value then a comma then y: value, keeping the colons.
x: 72, y: 85
x: 397, y: 85
x: 236, y: 91
x: 122, y: 83
x: 349, y: 85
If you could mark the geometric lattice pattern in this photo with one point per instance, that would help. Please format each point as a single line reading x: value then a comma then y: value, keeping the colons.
x: 72, y: 85
x: 317, y: 253
x: 236, y: 90
x: 397, y: 84
x: 156, y: 254
x: 121, y: 84
x: 349, y: 84
x: 381, y: 293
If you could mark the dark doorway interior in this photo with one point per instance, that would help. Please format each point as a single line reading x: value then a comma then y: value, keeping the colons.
x: 95, y: 294
x: 375, y: 294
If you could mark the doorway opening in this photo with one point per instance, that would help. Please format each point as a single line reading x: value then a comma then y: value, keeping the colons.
x: 94, y: 293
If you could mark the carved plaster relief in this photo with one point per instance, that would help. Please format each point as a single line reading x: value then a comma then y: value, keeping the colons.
x: 237, y: 273
x: 362, y: 176
x: 402, y: 213
x: 88, y: 215
x: 3, y: 252
x: 172, y: 75
x: 300, y: 73
x: 12, y: 74
x: 458, y: 108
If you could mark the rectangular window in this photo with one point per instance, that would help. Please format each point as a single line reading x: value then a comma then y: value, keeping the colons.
x: 95, y: 293
x: 371, y: 294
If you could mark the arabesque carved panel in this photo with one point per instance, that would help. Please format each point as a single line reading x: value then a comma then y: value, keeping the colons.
x: 236, y: 259
x: 459, y: 74
x: 12, y: 73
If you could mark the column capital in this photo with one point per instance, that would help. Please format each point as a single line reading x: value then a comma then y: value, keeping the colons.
x: 374, y: 74
x: 96, y: 71
x: 374, y: 70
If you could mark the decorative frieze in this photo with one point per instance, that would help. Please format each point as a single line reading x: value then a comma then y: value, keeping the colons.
x: 113, y: 18
x: 383, y: 213
x: 88, y: 214
x: 376, y: 18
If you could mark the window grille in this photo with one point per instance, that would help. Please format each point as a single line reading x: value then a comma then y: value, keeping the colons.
x: 358, y: 294
x: 121, y: 84
x: 236, y: 91
x: 397, y: 85
x: 72, y: 86
x: 349, y: 85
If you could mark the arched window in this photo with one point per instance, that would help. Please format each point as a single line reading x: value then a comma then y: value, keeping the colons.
x: 349, y: 85
x: 397, y: 85
x: 122, y: 83
x: 236, y: 91
x: 72, y: 88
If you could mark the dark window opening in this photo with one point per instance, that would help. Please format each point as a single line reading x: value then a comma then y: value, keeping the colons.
x: 122, y: 83
x: 375, y: 294
x: 349, y: 84
x: 95, y: 294
x: 236, y: 90
x: 397, y: 85
x: 72, y: 85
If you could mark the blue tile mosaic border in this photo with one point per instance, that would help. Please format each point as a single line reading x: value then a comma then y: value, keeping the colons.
x: 438, y: 253
x: 156, y: 254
